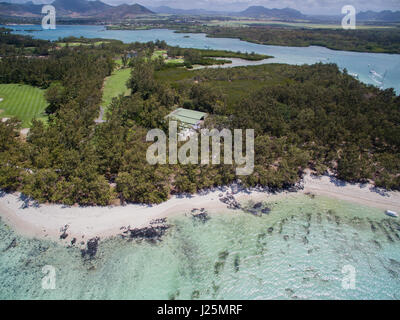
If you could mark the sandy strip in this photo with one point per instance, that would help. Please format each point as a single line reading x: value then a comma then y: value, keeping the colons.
x: 46, y: 221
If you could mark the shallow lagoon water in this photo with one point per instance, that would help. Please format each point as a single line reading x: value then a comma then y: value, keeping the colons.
x: 381, y: 70
x: 298, y: 251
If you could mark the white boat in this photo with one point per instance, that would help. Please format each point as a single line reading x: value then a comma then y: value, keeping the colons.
x: 355, y: 75
x: 391, y: 213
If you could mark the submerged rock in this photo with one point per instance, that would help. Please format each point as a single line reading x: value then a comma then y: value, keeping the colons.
x: 13, y: 244
x: 266, y: 211
x: 174, y: 296
x: 257, y: 209
x: 236, y: 263
x: 218, y: 266
x: 195, y: 294
x: 91, y: 248
x: 153, y: 233
x: 201, y: 216
x: 223, y: 255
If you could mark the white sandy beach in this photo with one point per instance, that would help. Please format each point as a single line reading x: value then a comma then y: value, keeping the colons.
x: 46, y: 221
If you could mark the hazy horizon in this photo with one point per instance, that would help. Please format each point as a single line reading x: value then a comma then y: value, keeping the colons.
x: 324, y: 7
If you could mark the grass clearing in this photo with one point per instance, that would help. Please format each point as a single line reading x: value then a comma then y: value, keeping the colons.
x: 175, y: 61
x: 23, y: 102
x: 158, y: 53
x: 115, y: 85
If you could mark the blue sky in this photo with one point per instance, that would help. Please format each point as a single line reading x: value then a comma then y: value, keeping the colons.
x: 330, y: 7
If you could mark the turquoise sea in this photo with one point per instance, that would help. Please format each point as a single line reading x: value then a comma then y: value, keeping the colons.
x: 299, y: 251
x: 382, y: 70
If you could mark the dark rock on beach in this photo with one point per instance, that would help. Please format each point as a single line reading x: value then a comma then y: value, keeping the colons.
x: 230, y: 201
x: 63, y: 236
x: 64, y: 233
x: 254, y: 212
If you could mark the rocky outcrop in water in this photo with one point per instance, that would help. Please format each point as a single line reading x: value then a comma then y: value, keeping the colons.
x: 200, y: 215
x: 151, y: 233
x: 257, y: 209
x: 156, y: 230
x: 91, y: 248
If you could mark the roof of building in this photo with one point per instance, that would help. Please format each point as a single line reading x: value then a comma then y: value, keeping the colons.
x: 187, y: 117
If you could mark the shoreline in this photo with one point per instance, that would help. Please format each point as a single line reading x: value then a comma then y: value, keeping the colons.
x: 49, y: 222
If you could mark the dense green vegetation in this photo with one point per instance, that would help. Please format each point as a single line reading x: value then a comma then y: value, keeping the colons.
x: 362, y: 40
x: 13, y: 45
x: 208, y: 53
x: 304, y: 117
x: 23, y: 102
x: 331, y: 119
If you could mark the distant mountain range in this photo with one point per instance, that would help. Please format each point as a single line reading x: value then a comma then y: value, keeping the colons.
x: 100, y: 10
x: 75, y: 9
x: 252, y: 12
x: 286, y: 14
x: 194, y: 12
x: 386, y: 16
x: 262, y: 12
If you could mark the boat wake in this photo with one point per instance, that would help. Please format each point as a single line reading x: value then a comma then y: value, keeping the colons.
x: 377, y: 77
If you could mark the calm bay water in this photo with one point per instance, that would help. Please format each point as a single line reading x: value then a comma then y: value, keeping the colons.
x: 298, y: 251
x: 382, y: 70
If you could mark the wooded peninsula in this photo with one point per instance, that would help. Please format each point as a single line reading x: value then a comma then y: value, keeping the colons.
x: 305, y: 117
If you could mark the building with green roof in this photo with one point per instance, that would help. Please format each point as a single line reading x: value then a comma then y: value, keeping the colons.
x: 188, y: 118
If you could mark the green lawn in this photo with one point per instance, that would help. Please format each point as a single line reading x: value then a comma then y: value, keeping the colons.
x: 115, y: 85
x: 23, y: 102
x: 175, y: 61
x: 158, y: 53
